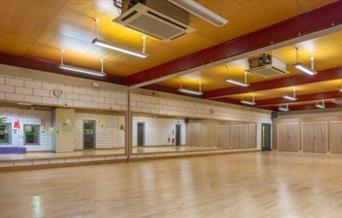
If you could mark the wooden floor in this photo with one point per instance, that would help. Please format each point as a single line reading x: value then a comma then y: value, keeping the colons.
x: 237, y: 185
x: 99, y: 152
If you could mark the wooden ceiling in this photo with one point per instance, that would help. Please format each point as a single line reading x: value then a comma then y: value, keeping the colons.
x: 39, y: 28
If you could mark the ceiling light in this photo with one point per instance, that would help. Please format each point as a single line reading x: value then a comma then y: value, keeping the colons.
x: 80, y: 70
x: 237, y: 82
x: 189, y: 91
x: 291, y: 98
x: 200, y: 11
x: 284, y: 108
x: 303, y: 68
x: 251, y: 103
x: 320, y: 105
x: 119, y: 48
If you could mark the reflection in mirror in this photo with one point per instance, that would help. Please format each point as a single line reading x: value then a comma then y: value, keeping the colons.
x: 30, y: 132
x: 160, y: 134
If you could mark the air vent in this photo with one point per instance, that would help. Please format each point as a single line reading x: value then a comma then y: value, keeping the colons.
x: 267, y: 66
x: 151, y: 22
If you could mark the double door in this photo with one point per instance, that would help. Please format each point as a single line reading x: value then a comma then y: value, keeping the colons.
x: 314, y: 137
x: 288, y: 137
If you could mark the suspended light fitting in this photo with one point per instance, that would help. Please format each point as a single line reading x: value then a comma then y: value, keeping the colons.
x: 81, y: 70
x: 251, y: 103
x: 304, y: 68
x: 190, y: 91
x: 320, y: 105
x: 237, y: 82
x: 291, y: 97
x: 120, y: 48
x: 284, y: 108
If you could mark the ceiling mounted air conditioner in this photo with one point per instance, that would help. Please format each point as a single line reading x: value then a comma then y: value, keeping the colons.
x: 267, y: 66
x: 159, y: 19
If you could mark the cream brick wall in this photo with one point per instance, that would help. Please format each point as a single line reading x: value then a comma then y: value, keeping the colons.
x: 108, y: 133
x: 78, y: 93
x: 27, y: 116
x: 158, y: 131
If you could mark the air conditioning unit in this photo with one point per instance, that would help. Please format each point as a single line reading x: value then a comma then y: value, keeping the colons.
x: 267, y: 66
x: 160, y: 19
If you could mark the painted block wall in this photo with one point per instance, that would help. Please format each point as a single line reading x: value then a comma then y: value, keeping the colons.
x: 27, y: 116
x: 108, y: 132
x: 158, y: 131
x: 21, y: 85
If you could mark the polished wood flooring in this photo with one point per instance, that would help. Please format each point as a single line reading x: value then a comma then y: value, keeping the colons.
x: 101, y: 152
x: 237, y: 185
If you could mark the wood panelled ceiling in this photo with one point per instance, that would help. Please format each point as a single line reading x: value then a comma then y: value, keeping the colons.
x: 327, y: 51
x: 39, y: 28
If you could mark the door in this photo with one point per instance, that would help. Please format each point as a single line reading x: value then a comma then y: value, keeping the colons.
x: 178, y: 134
x: 288, y: 137
x: 141, y: 134
x: 89, y: 134
x: 336, y: 137
x: 314, y: 137
x: 266, y: 137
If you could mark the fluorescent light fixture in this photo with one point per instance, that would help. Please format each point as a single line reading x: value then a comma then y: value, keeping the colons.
x: 305, y: 69
x: 291, y: 98
x: 119, y: 48
x: 200, y: 11
x: 237, y: 82
x: 284, y: 108
x: 247, y: 102
x: 189, y: 91
x: 251, y: 103
x: 82, y: 70
x: 320, y: 105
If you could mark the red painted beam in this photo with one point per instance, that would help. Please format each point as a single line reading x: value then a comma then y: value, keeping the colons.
x: 329, y: 74
x: 308, y: 97
x: 49, y: 66
x: 310, y: 22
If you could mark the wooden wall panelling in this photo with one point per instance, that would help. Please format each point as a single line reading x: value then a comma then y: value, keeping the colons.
x: 223, y: 136
x: 288, y: 137
x: 238, y: 135
x: 336, y: 137
x: 293, y: 137
x: 314, y: 137
x: 252, y: 135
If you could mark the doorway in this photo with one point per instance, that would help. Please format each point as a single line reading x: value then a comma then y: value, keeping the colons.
x: 89, y: 134
x: 266, y: 137
x: 141, y: 134
x: 178, y: 134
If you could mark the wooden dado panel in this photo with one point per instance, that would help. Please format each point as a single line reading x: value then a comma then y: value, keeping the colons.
x: 223, y: 135
x: 288, y: 137
x: 252, y: 135
x: 315, y: 137
x: 239, y: 135
x: 336, y: 137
